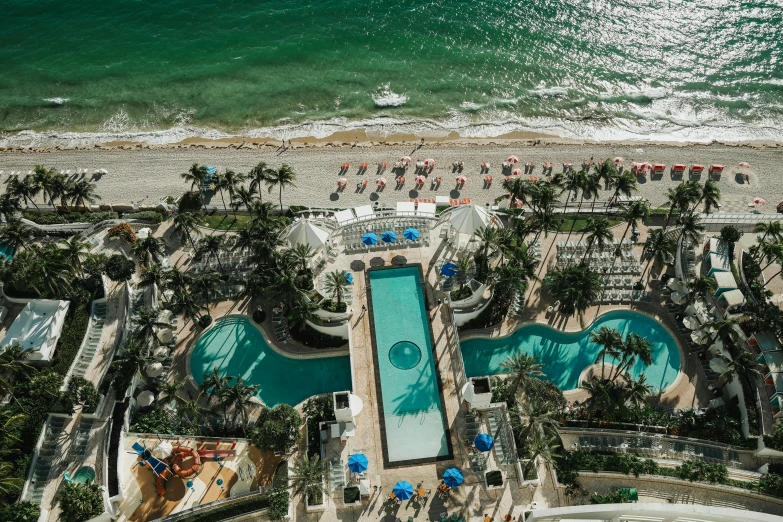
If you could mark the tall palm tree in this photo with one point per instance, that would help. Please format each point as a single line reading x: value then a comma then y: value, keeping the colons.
x: 308, y: 476
x: 26, y: 189
x: 489, y: 238
x: 44, y: 178
x: 258, y: 175
x: 572, y: 183
x: 302, y: 311
x: 464, y: 266
x: 638, y: 390
x: 632, y: 214
x: 575, y: 286
x: 243, y: 197
x: 240, y: 397
x: 74, y: 251
x: 196, y: 176
x: 175, y: 280
x: 82, y: 194
x: 149, y: 250
x: 10, y: 206
x: 681, y: 198
x: 301, y: 255
x: 605, y: 171
x: 146, y: 321
x: 710, y: 196
x: 133, y: 358
x: 282, y: 177
x: 744, y: 366
x: 543, y: 448
x: 536, y: 419
x: 623, y: 184
x: 186, y: 225
x: 635, y: 348
x: 336, y: 284
x: 724, y: 329
x: 610, y: 341
x: 659, y: 247
x: 153, y: 275
x: 214, y: 383
x: 599, y: 234
x: 589, y: 186
x: 170, y: 390
x: 191, y: 409
x: 770, y: 228
x: 523, y: 367
x: 690, y: 228
x: 16, y: 233
x: 207, y: 285
x: 231, y: 182
x: 185, y: 304
x: 700, y: 287
x: 210, y: 247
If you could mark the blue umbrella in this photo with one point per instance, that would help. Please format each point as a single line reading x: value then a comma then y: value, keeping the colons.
x: 389, y: 236
x: 403, y: 490
x: 449, y: 269
x: 348, y: 276
x: 452, y: 478
x: 411, y: 234
x: 369, y: 238
x: 484, y: 442
x: 357, y: 463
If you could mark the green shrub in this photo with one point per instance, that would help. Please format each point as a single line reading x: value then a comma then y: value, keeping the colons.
x: 159, y: 420
x: 81, y: 392
x: 190, y: 202
x: 277, y: 429
x: 148, y: 215
x: 616, y: 497
x: 71, y: 338
x: 20, y: 512
x: 93, y: 217
x: 45, y: 218
x: 309, y: 336
x: 333, y: 306
x: 119, y: 268
x: 80, y: 502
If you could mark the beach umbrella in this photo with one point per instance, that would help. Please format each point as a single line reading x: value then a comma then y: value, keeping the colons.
x: 145, y: 398
x: 691, y: 323
x: 160, y: 353
x: 675, y: 285
x: 155, y: 370
x: 718, y: 365
x: 618, y: 160
x: 388, y: 236
x: 512, y: 159
x: 678, y: 297
x: 516, y: 172
x: 699, y: 337
x: 348, y: 276
x: 357, y: 463
x: 380, y: 181
x: 484, y: 442
x: 403, y: 490
x: 163, y: 449
x: 420, y: 180
x: 369, y: 238
x: 744, y: 165
x: 144, y: 233
x: 759, y: 201
x: 165, y: 336
x: 485, y: 164
x: 405, y: 159
x: 411, y: 234
x: 343, y: 181
x: 467, y: 219
x: 461, y: 179
x: 306, y: 233
x: 429, y: 162
x: 449, y: 269
x: 452, y: 477
x: 165, y: 316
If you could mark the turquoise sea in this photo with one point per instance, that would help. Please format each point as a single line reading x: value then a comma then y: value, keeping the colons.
x: 606, y: 69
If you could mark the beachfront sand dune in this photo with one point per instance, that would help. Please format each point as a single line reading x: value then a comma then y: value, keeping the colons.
x: 147, y: 175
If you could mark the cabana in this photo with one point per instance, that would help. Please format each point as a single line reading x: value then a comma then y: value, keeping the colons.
x: 364, y: 212
x: 716, y: 245
x: 406, y: 208
x: 344, y: 217
x: 426, y: 210
x: 730, y: 302
x: 725, y: 282
x: 717, y: 263
x: 305, y: 233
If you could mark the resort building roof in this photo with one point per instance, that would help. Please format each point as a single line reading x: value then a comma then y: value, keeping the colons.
x: 37, y: 328
x: 717, y: 245
x: 725, y: 282
x: 728, y: 300
x: 767, y: 342
x: 719, y: 263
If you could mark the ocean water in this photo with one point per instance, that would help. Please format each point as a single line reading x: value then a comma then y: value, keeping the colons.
x: 606, y: 69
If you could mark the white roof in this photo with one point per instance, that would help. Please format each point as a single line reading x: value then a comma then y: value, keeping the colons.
x: 442, y: 200
x: 144, y: 233
x: 406, y: 208
x: 469, y: 218
x: 344, y: 216
x: 717, y: 245
x: 774, y: 360
x: 732, y: 297
x: 719, y: 262
x: 305, y: 233
x: 426, y: 209
x: 37, y: 328
x: 725, y: 280
x: 364, y: 211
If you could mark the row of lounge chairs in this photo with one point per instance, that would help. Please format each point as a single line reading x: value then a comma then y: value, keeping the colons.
x: 281, y: 326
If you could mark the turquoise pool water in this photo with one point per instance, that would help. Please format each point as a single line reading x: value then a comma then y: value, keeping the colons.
x: 566, y: 355
x: 237, y: 347
x: 413, y: 418
x: 6, y: 251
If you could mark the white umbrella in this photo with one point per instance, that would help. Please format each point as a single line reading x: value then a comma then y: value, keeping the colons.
x: 144, y: 233
x: 305, y: 233
x: 718, y: 365
x: 699, y: 337
x: 678, y: 297
x: 165, y: 316
x: 155, y: 370
x: 468, y: 392
x: 165, y: 336
x: 163, y: 449
x: 161, y: 352
x: 168, y: 295
x: 691, y: 323
x: 690, y: 310
x: 469, y: 218
x: 145, y: 398
x: 675, y: 285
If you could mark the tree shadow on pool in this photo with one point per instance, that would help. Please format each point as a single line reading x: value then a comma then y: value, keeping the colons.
x: 419, y: 396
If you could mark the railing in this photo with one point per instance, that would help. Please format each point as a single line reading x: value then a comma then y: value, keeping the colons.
x: 458, y: 364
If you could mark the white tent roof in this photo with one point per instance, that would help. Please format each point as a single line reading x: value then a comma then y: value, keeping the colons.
x: 469, y: 219
x: 144, y: 233
x: 145, y: 398
x: 344, y: 216
x: 725, y: 280
x: 718, y: 246
x: 364, y: 211
x: 406, y: 208
x: 442, y: 201
x: 719, y: 262
x: 732, y: 298
x: 305, y: 233
x: 426, y: 209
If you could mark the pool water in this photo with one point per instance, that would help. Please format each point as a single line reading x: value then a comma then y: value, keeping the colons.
x: 565, y: 355
x: 6, y: 251
x: 84, y: 475
x: 413, y: 419
x: 237, y: 348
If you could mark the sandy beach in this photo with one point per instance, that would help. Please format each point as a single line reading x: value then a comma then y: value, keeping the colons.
x: 146, y: 174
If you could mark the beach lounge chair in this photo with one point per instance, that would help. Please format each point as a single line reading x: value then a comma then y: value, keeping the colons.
x: 658, y: 169
x: 678, y: 169
x: 715, y: 171
x: 695, y: 170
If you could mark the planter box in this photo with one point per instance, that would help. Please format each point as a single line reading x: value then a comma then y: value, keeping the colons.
x: 535, y: 480
x: 491, y: 479
x: 352, y: 496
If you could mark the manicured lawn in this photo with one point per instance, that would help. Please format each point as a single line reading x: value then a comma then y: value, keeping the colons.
x: 226, y: 221
x: 581, y: 224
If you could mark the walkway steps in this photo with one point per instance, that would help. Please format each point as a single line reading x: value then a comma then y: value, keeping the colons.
x: 99, y: 311
x: 46, y: 454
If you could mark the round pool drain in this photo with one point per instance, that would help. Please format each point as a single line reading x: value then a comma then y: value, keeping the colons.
x: 405, y: 355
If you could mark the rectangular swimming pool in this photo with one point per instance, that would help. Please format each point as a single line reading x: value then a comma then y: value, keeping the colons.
x: 413, y: 426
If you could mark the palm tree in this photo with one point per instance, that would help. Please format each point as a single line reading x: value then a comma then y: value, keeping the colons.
x: 9, y: 206
x: 207, y: 285
x: 82, y: 194
x: 680, y: 198
x: 231, y: 182
x: 214, y: 383
x: 170, y: 390
x: 610, y: 341
x: 243, y: 197
x: 191, y: 408
x: 146, y: 321
x: 590, y: 186
x: 16, y: 234
x: 635, y: 348
x: 185, y: 304
x: 700, y: 287
x: 464, y: 266
x: 149, y: 250
x: 186, y: 226
x: 301, y: 255
x: 44, y: 178
x: 302, y: 311
x: 523, y: 367
x: 258, y: 175
x: 771, y: 228
x: 623, y: 184
x: 196, y: 176
x: 710, y: 196
x: 638, y: 390
x: 283, y: 284
x: 659, y: 247
x: 724, y: 329
x: 282, y: 177
x: 744, y: 366
x: 210, y: 247
x: 606, y: 171
x: 153, y: 275
x: 690, y: 228
x: 74, y: 251
x: 336, y: 284
x: 14, y: 364
x: 518, y: 190
x: 308, y: 476
x: 488, y: 237
x: 575, y: 286
x: 173, y: 279
x: 638, y: 210
x: 26, y: 190
x: 572, y: 182
x: 599, y: 234
x: 240, y: 397
x: 534, y: 419
x: 133, y: 359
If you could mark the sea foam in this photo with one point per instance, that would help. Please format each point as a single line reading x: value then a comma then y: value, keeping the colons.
x: 385, y: 97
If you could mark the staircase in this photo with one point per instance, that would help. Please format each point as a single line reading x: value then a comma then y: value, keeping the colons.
x: 93, y: 338
x: 82, y: 437
x: 43, y: 466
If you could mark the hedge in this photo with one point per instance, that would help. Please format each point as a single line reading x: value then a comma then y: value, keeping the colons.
x: 148, y: 215
x: 71, y: 338
x: 52, y: 218
x: 272, y: 499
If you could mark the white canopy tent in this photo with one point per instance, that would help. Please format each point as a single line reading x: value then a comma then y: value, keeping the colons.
x: 469, y: 218
x: 145, y: 398
x: 426, y: 209
x: 344, y: 217
x: 364, y: 212
x: 305, y: 233
x: 725, y: 281
x: 406, y: 208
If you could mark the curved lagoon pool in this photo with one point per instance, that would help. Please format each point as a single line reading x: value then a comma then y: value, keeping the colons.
x: 566, y: 355
x: 236, y: 347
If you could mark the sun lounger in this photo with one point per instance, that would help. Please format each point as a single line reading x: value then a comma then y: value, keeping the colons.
x: 715, y: 171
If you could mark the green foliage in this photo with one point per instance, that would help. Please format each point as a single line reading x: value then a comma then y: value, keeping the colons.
x: 74, y: 329
x: 20, y: 512
x: 775, y: 441
x: 492, y: 315
x: 53, y: 218
x: 277, y: 429
x: 317, y: 410
x: 616, y: 497
x: 80, y: 502
x: 333, y: 306
x: 315, y: 339
x: 545, y: 391
x: 190, y: 202
x: 148, y: 215
x: 502, y: 392
x: 461, y: 293
x: 123, y: 231
x: 159, y: 420
x: 119, y: 268
x: 45, y: 218
x: 81, y: 392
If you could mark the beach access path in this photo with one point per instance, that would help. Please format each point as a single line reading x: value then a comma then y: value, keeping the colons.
x: 146, y: 175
